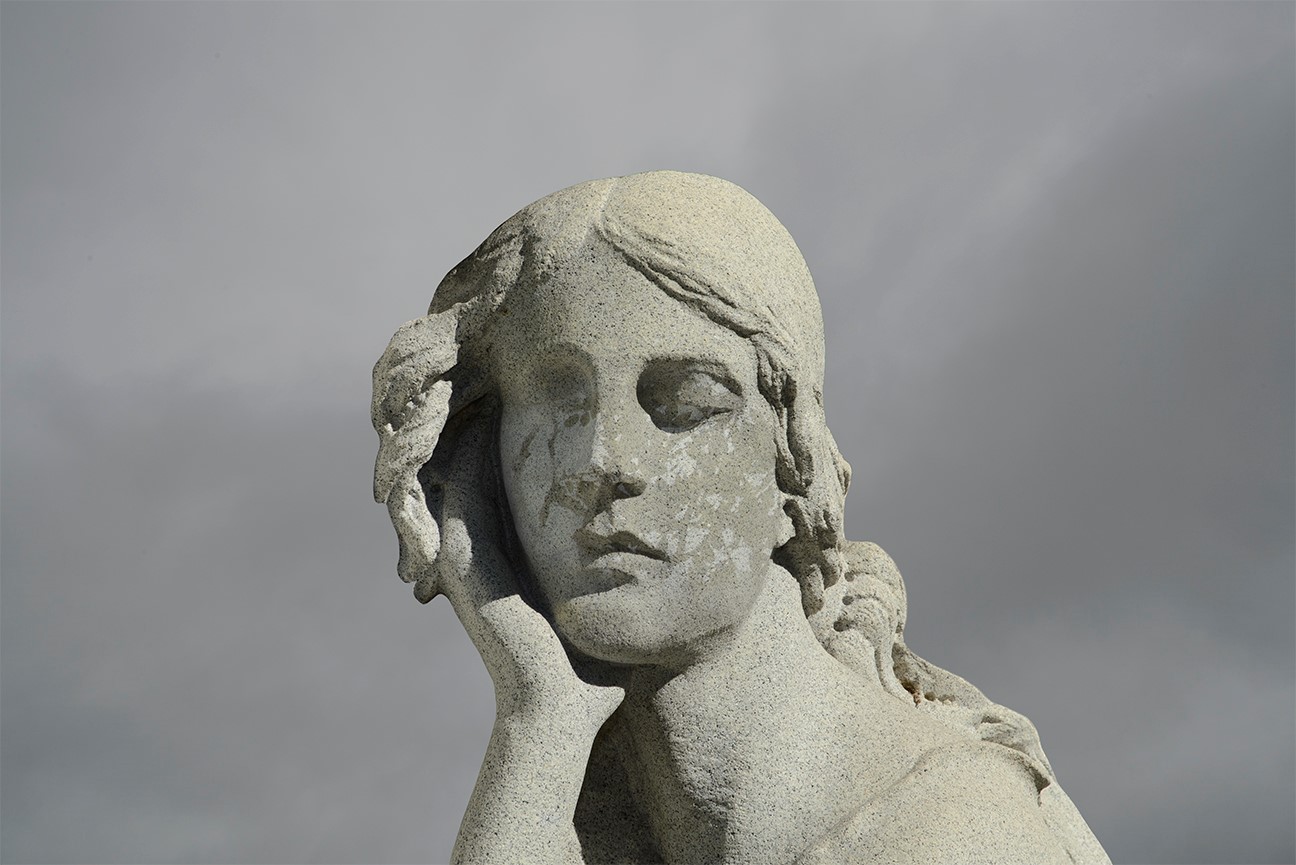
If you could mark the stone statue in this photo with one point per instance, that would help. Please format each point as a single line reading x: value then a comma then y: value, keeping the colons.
x: 605, y: 444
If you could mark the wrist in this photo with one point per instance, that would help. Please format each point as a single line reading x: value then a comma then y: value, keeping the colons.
x: 551, y: 722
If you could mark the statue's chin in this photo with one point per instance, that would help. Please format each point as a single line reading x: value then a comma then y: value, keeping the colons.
x: 614, y: 629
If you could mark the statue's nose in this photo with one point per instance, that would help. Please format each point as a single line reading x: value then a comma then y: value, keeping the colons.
x: 624, y: 489
x: 616, y: 455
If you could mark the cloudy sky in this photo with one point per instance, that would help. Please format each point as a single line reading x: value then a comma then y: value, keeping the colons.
x: 1055, y: 249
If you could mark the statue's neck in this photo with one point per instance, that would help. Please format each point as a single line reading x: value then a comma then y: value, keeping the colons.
x: 755, y: 727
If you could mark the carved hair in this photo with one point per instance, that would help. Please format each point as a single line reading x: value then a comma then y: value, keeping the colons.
x: 851, y: 592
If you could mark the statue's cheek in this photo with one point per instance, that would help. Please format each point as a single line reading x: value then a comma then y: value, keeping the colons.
x: 526, y: 456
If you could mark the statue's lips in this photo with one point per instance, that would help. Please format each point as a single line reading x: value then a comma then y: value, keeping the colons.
x: 615, y: 558
x: 615, y: 544
x: 620, y: 568
x: 632, y: 564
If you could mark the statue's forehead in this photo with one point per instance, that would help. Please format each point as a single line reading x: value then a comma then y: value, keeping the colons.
x: 598, y: 304
x: 673, y: 226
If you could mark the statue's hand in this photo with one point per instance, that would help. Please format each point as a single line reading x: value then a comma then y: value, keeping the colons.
x: 534, y: 675
x: 547, y: 713
x: 411, y: 403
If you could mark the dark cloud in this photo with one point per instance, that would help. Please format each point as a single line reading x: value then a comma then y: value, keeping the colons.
x: 198, y: 644
x: 1055, y: 249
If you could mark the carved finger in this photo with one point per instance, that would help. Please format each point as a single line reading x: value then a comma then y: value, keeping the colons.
x: 419, y: 536
x: 421, y: 351
x: 430, y: 332
x: 403, y: 451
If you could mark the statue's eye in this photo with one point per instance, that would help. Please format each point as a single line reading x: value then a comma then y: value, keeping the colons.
x: 560, y: 384
x: 680, y: 395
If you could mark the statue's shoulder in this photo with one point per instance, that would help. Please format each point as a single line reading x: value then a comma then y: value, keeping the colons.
x: 967, y: 802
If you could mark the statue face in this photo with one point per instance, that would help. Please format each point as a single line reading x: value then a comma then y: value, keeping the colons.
x: 638, y: 457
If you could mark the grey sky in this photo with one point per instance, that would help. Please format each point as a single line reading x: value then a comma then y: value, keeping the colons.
x: 1054, y: 244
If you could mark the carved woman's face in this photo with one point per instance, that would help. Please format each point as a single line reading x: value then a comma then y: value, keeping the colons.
x: 638, y: 457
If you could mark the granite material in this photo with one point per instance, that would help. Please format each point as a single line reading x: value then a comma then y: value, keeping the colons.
x: 605, y: 445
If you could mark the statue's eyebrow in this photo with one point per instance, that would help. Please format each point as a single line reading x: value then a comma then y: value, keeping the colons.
x: 559, y: 351
x: 551, y: 359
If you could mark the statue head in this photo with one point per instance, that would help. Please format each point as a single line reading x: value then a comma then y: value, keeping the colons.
x: 722, y: 257
x: 686, y: 300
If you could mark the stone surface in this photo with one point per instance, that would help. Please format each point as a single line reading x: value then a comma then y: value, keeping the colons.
x: 605, y: 444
